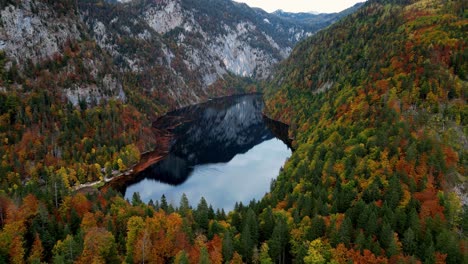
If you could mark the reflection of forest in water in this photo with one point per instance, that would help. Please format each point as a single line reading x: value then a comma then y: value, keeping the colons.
x: 212, y: 132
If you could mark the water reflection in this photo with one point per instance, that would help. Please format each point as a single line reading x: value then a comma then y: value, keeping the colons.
x: 222, y: 150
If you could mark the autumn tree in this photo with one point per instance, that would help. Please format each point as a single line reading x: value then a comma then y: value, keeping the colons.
x: 99, y: 247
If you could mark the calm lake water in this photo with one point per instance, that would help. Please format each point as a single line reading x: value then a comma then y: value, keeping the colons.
x: 222, y: 150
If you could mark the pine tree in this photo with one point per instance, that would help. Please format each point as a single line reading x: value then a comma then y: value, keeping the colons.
x: 426, y: 249
x: 249, y: 235
x: 371, y: 227
x: 446, y: 243
x: 392, y: 249
x: 246, y: 243
x: 413, y: 221
x: 394, y: 192
x: 346, y: 231
x: 279, y: 239
x: 409, y: 242
x: 267, y: 223
x: 386, y: 235
x: 317, y: 228
x: 228, y: 247
x: 361, y: 241
x: 136, y: 199
x: 236, y: 220
x: 201, y: 214
x: 184, y: 206
x: 363, y: 217
x: 163, y: 205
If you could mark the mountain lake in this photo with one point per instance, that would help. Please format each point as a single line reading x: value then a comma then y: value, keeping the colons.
x: 224, y: 150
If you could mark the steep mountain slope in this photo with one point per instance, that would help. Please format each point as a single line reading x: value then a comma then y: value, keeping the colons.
x: 180, y: 48
x: 377, y: 107
x: 176, y: 52
x: 81, y: 80
x: 62, y: 100
x: 320, y: 20
x: 36, y: 35
x: 378, y: 112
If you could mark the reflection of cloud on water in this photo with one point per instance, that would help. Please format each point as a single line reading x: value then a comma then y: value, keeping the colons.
x: 245, y: 177
x: 210, y: 169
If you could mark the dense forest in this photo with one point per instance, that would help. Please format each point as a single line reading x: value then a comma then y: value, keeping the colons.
x: 377, y: 108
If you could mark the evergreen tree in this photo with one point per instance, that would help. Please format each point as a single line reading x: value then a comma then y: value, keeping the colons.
x: 306, y: 209
x: 267, y: 223
x: 228, y: 246
x: 409, y: 242
x: 163, y: 204
x: 211, y: 212
x: 136, y: 199
x: 201, y: 214
x: 394, y: 192
x: 249, y: 235
x: 386, y: 235
x: 236, y: 220
x: 401, y: 219
x: 363, y: 217
x: 246, y: 243
x: 446, y: 243
x: 251, y: 220
x: 426, y: 249
x: 371, y: 227
x: 317, y: 228
x: 429, y: 254
x: 361, y: 241
x: 184, y: 206
x: 346, y: 231
x: 372, y: 193
x: 413, y: 221
x: 279, y: 239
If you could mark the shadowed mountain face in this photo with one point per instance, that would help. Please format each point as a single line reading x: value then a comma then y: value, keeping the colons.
x: 223, y: 150
x: 213, y: 132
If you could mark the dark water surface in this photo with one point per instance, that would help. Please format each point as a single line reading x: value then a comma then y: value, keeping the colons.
x: 222, y: 150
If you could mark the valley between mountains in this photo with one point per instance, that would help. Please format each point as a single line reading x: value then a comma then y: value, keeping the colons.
x: 372, y: 100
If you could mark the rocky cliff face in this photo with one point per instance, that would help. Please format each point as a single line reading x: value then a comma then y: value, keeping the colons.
x: 43, y: 39
x: 190, y: 45
x: 26, y: 34
x: 171, y: 49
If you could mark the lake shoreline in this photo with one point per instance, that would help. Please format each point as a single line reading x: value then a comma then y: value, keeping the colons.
x: 164, y: 136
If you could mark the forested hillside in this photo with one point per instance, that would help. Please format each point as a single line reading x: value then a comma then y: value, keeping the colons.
x: 377, y: 110
x: 81, y: 81
x: 378, y: 113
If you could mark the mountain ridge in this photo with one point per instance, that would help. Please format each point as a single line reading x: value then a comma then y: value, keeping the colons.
x: 179, y: 51
x: 108, y: 69
x: 323, y: 19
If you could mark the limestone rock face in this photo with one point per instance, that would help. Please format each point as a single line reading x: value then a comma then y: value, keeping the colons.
x: 32, y: 30
x: 175, y: 48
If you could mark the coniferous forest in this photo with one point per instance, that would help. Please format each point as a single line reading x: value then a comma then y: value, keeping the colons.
x: 377, y: 112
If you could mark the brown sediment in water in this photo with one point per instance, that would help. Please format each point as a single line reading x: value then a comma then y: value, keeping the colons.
x: 163, y: 134
x: 163, y: 128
